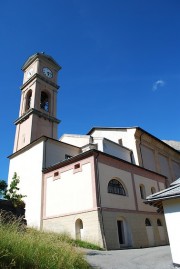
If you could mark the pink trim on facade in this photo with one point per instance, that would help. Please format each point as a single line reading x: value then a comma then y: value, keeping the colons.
x: 44, y: 179
x: 42, y: 202
x: 71, y: 213
x: 129, y: 211
x: 130, y: 168
x: 94, y: 180
x: 134, y: 191
x: 103, y: 209
x: 67, y: 167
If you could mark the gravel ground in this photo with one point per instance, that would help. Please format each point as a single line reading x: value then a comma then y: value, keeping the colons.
x: 147, y: 258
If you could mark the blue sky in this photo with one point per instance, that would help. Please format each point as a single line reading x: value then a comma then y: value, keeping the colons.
x: 120, y: 63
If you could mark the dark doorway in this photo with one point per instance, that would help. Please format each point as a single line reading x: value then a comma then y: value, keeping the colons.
x: 120, y: 231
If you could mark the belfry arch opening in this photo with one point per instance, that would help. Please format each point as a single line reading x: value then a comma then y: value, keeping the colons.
x: 44, y: 102
x: 28, y: 100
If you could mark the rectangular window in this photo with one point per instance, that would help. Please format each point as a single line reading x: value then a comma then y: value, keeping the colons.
x: 77, y: 166
x: 56, y: 175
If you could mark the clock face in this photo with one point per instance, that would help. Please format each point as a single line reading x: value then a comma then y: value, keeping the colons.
x: 47, y: 72
x: 29, y: 73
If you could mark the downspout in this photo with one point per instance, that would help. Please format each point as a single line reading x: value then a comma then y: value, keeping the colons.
x: 42, y: 185
x: 99, y: 201
x: 140, y: 149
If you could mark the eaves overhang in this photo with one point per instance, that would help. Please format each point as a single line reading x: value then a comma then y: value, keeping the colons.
x: 71, y: 160
x: 109, y: 128
x: 96, y: 153
x: 40, y: 114
x: 158, y: 203
x: 156, y: 199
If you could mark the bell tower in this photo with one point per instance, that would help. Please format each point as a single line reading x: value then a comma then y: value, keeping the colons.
x: 37, y: 114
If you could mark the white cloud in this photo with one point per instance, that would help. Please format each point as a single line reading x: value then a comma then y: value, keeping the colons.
x: 158, y: 84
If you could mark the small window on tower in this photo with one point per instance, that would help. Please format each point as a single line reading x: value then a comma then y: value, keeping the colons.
x: 44, y: 104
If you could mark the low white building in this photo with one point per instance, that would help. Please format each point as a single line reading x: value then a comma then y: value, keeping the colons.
x: 168, y: 201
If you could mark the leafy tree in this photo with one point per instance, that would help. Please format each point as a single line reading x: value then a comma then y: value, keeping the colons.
x: 3, y: 187
x: 11, y: 193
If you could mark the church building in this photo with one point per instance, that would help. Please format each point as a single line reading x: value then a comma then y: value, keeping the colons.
x: 93, y: 185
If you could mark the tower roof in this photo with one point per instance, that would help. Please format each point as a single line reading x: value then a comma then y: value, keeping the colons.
x: 40, y: 55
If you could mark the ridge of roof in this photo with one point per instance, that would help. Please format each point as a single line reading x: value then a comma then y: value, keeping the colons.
x: 42, y: 55
x: 134, y: 127
x: 109, y: 128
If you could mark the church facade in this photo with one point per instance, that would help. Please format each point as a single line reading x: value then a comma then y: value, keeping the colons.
x: 91, y: 186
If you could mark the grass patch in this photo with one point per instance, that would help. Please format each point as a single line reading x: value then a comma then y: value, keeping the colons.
x: 84, y: 244
x: 32, y: 249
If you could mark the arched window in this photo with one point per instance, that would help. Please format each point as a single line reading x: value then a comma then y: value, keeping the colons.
x: 147, y: 222
x: 142, y: 191
x: 153, y: 190
x: 28, y: 100
x: 159, y: 223
x: 114, y: 186
x: 44, y: 104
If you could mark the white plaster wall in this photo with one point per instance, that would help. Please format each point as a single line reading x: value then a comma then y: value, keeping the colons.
x: 99, y: 142
x: 172, y: 217
x: 103, y: 145
x: 28, y: 166
x: 112, y: 148
x: 56, y: 151
x: 76, y: 140
x: 106, y: 173
x: 116, y: 150
x: 127, y: 136
x: 72, y: 192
